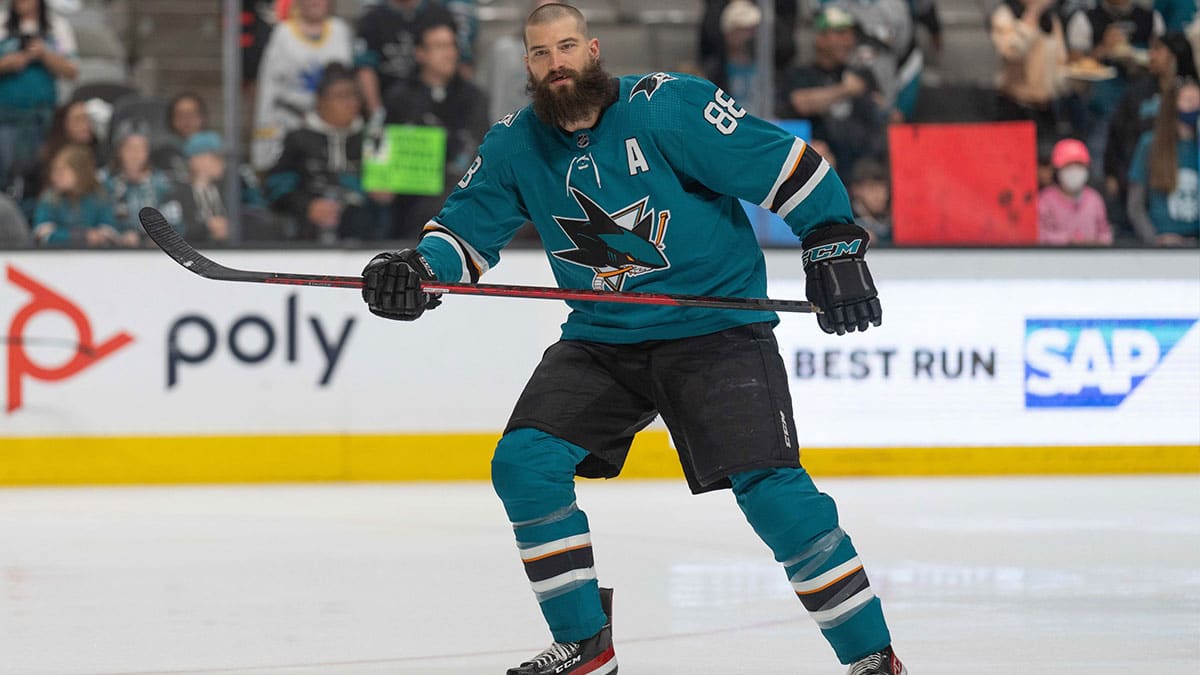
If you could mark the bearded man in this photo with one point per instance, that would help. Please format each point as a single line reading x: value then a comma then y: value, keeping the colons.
x: 633, y: 184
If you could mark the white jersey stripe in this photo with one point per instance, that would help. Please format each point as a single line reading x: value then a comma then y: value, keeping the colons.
x: 544, y: 550
x: 463, y: 248
x: 465, y: 275
x: 827, y: 577
x: 804, y: 192
x: 789, y: 165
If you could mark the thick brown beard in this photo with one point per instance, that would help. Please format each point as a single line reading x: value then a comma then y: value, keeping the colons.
x: 561, y: 106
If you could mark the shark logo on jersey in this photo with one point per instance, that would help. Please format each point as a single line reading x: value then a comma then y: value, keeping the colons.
x: 616, y: 246
x: 650, y: 84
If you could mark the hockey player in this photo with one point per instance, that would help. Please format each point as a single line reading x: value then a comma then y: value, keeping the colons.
x: 632, y: 185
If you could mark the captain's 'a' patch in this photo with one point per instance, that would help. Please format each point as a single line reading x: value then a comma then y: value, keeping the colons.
x: 650, y: 84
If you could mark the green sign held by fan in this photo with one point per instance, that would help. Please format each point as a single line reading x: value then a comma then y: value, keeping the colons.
x: 407, y: 160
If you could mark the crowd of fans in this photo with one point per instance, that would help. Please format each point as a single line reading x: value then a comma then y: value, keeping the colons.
x: 1110, y: 86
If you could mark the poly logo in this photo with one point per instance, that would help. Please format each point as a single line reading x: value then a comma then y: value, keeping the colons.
x: 1094, y: 363
x: 87, y: 353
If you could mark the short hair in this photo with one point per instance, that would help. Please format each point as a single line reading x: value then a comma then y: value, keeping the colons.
x: 555, y: 11
x: 434, y: 24
x: 180, y: 98
x: 334, y: 73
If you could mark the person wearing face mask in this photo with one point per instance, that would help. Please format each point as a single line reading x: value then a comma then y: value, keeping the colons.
x: 1170, y: 57
x: 1164, y: 176
x: 1069, y: 211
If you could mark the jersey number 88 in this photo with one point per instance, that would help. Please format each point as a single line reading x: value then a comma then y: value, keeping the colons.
x: 723, y: 113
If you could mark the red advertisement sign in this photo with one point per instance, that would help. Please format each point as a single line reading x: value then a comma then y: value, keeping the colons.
x: 964, y: 184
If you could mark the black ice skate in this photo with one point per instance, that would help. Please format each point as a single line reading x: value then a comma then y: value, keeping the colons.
x: 879, y: 663
x: 593, y: 656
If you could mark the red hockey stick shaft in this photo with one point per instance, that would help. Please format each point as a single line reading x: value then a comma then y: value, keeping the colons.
x: 186, y: 255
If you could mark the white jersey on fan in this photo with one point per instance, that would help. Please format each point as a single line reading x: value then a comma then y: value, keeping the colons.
x: 287, y: 81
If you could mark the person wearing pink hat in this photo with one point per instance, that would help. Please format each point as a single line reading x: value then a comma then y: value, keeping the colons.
x: 1069, y: 211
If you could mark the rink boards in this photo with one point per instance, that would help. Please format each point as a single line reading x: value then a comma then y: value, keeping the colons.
x: 122, y: 367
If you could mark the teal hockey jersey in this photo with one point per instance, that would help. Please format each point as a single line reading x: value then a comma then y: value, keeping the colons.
x: 647, y: 200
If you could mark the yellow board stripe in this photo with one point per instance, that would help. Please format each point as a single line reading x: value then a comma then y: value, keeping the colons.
x: 411, y: 457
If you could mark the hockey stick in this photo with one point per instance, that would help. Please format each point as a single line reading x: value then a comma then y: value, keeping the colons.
x: 183, y: 253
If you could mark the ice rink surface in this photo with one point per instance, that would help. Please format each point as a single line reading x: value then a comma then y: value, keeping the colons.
x: 1015, y: 576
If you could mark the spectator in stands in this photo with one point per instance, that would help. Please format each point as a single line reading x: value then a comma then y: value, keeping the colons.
x: 503, y: 74
x: 187, y: 114
x: 258, y: 19
x: 735, y: 69
x: 466, y: 26
x: 440, y: 97
x: 296, y: 54
x: 205, y: 216
x: 887, y: 46
x: 37, y: 48
x: 1115, y: 33
x: 387, y: 39
x: 131, y: 183
x: 843, y: 102
x: 1176, y: 14
x: 14, y: 228
x: 70, y: 125
x: 73, y: 210
x: 925, y: 13
x: 1045, y: 170
x: 712, y: 38
x: 1032, y: 84
x: 1170, y: 57
x: 1110, y: 30
x: 318, y: 179
x: 1164, y: 177
x: 1069, y: 211
x: 870, y: 193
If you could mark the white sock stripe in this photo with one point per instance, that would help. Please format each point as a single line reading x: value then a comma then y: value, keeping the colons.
x: 827, y: 577
x: 827, y: 618
x: 547, y: 585
x: 542, y: 550
x: 788, y: 165
x: 804, y: 192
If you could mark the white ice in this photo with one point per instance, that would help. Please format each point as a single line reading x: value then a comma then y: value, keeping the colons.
x: 1020, y: 575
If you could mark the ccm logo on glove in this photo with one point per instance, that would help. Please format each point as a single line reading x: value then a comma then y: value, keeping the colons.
x: 833, y: 250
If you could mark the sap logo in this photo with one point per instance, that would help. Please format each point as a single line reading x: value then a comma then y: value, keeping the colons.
x: 87, y: 352
x: 256, y: 348
x: 1094, y: 363
x: 833, y: 250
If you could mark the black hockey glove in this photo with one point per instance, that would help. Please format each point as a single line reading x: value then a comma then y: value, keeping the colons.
x: 838, y: 280
x: 392, y: 285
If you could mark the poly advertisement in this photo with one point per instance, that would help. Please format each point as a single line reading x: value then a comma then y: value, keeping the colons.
x: 129, y: 343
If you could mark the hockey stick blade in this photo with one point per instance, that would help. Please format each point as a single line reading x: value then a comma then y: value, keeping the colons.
x: 186, y: 255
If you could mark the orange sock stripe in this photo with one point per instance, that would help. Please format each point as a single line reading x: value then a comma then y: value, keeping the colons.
x: 559, y: 552
x: 845, y: 576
